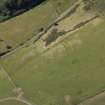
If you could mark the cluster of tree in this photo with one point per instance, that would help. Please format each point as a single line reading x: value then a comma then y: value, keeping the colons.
x: 53, y: 36
x: 98, y: 5
x: 21, y: 4
x: 15, y: 7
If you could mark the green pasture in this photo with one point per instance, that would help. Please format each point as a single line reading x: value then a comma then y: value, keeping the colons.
x: 74, y: 68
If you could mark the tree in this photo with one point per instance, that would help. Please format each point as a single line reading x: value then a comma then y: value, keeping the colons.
x: 97, y: 5
x: 100, y: 6
x: 17, y: 5
x: 88, y: 4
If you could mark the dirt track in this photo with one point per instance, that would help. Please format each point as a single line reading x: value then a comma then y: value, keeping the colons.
x: 99, y: 99
x: 15, y: 99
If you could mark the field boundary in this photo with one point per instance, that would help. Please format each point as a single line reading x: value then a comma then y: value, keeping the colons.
x: 20, y: 96
x: 8, y: 76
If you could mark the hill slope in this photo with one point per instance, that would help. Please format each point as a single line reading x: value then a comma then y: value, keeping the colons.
x: 65, y: 66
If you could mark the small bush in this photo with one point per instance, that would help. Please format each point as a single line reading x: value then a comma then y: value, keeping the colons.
x: 9, y: 47
x: 53, y: 36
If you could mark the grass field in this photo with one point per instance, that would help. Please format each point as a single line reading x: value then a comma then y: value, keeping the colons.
x: 68, y: 73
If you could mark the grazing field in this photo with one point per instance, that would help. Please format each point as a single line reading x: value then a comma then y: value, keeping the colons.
x: 68, y: 73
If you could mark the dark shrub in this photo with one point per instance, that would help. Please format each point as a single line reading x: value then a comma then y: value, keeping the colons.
x: 9, y: 47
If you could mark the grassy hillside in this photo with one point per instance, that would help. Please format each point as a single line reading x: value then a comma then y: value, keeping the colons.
x: 74, y: 68
x: 67, y: 71
x: 71, y: 70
